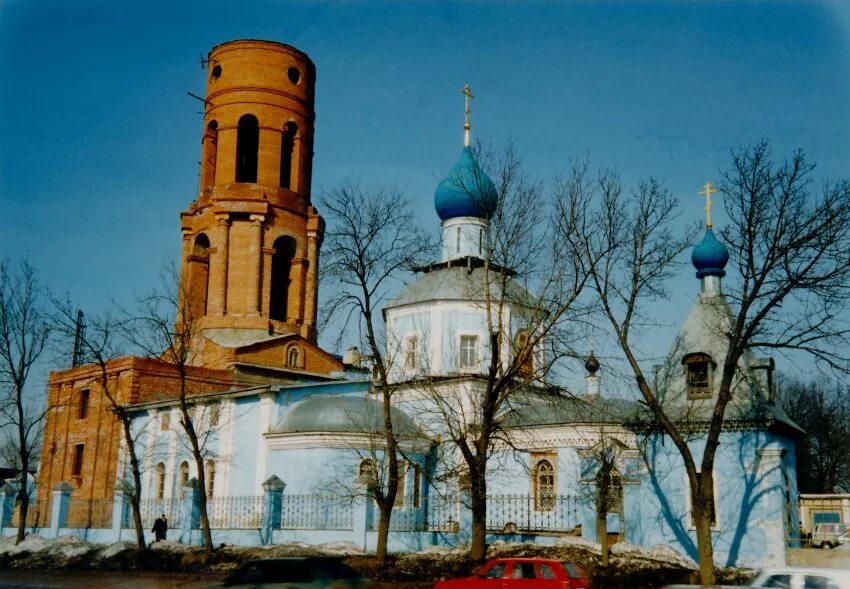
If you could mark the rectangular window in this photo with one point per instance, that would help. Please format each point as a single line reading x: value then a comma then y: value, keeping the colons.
x: 411, y: 353
x: 164, y: 420
x: 468, y: 352
x: 77, y: 466
x: 698, y: 373
x: 399, y: 497
x: 83, y: 406
x: 417, y: 485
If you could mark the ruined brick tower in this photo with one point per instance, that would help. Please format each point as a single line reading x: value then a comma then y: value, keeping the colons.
x: 251, y: 239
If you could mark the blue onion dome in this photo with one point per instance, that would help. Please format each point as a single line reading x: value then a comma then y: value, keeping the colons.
x: 466, y: 191
x: 710, y: 256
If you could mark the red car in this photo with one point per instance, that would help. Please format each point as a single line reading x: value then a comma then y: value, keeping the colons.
x: 522, y: 573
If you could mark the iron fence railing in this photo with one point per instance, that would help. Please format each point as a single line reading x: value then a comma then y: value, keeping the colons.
x: 151, y: 509
x: 403, y: 519
x: 89, y: 513
x: 526, y: 513
x: 317, y: 512
x: 244, y: 511
x: 38, y: 514
x: 443, y: 514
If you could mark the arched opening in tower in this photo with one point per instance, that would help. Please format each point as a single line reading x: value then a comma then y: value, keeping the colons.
x: 287, y: 150
x: 199, y: 275
x: 284, y: 251
x: 247, y: 146
x: 210, y: 155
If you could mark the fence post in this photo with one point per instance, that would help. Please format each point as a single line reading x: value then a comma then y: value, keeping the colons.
x: 59, y: 508
x: 362, y: 511
x: 272, y: 507
x: 191, y: 508
x: 7, y: 504
x: 120, y: 504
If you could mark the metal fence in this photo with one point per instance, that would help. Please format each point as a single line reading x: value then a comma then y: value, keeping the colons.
x: 403, y: 519
x: 89, y: 513
x: 525, y: 513
x: 443, y: 514
x: 152, y: 508
x: 38, y: 514
x: 317, y: 512
x: 236, y: 511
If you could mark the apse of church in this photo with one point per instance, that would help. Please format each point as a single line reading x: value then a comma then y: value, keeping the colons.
x: 251, y: 240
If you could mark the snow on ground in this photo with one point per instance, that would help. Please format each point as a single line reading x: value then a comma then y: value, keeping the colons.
x: 659, y: 552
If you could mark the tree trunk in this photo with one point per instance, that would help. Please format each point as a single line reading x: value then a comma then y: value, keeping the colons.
x: 478, y: 496
x: 23, y: 492
x: 386, y: 512
x: 189, y: 427
x: 705, y: 550
x: 602, y: 536
x: 24, y: 498
x: 137, y: 481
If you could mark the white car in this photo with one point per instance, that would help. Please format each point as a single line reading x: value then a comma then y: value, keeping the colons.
x: 794, y: 578
x: 803, y: 578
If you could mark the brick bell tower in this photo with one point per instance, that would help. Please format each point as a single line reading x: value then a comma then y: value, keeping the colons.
x: 251, y: 240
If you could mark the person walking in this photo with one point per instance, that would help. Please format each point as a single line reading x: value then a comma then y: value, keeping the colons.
x: 160, y: 528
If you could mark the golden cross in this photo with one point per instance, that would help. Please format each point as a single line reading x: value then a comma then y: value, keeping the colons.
x: 467, y: 92
x: 707, y: 191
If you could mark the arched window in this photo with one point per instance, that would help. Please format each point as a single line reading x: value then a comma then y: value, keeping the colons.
x: 247, y: 146
x: 523, y: 354
x: 184, y: 477
x: 699, y: 370
x: 293, y: 357
x: 367, y: 472
x: 544, y: 486
x: 160, y: 480
x: 210, y: 150
x: 284, y: 251
x: 287, y: 150
x: 209, y: 474
x: 199, y: 270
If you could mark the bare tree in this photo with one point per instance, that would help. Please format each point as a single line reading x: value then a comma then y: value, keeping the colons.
x: 99, y: 344
x: 372, y: 238
x: 164, y: 327
x: 790, y: 248
x: 528, y: 246
x: 822, y: 409
x: 24, y: 333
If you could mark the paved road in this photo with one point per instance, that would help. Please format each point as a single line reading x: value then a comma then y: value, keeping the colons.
x: 15, y: 579
x: 12, y: 579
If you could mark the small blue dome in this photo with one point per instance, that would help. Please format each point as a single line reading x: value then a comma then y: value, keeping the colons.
x: 466, y: 191
x: 710, y: 256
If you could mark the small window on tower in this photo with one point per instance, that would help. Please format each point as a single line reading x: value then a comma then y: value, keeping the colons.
x: 699, y: 370
x: 411, y: 353
x: 468, y: 352
x: 457, y: 241
x: 77, y: 465
x: 216, y: 72
x: 480, y: 241
x: 83, y: 408
x: 294, y: 75
x: 165, y: 420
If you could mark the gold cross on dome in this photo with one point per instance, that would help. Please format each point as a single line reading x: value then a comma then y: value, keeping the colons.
x: 707, y: 191
x: 467, y: 92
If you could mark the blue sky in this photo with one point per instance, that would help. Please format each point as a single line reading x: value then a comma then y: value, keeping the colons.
x: 99, y: 142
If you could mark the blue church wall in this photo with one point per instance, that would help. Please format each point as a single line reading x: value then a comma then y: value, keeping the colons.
x: 752, y: 520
